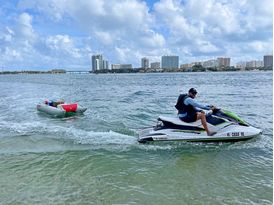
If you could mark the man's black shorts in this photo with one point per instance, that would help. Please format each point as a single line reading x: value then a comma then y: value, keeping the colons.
x: 189, y: 118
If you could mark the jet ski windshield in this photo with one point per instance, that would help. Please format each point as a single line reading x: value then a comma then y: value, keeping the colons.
x: 214, y: 120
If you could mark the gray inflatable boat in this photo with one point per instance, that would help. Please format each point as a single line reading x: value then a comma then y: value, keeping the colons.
x: 60, y: 108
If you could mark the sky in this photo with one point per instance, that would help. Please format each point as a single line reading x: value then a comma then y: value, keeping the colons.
x: 49, y: 34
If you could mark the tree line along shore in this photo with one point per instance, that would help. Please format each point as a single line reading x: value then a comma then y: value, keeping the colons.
x: 195, y: 68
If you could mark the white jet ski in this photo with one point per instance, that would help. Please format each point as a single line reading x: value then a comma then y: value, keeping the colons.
x: 227, y: 125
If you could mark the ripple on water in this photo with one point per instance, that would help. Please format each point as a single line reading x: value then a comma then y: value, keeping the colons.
x: 96, y: 157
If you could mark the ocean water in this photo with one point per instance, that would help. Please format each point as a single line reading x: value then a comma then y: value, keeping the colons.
x: 95, y: 158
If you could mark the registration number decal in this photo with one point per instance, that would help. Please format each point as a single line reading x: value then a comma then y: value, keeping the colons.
x: 159, y: 138
x: 236, y: 134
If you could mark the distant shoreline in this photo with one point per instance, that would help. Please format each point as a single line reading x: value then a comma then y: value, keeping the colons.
x: 137, y: 70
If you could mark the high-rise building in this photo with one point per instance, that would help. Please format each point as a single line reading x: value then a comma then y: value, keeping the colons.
x: 268, y: 61
x: 115, y: 66
x: 170, y: 61
x: 251, y: 64
x: 155, y: 65
x: 105, y: 64
x: 144, y: 63
x: 185, y: 65
x: 223, y: 62
x: 254, y: 64
x: 210, y: 63
x: 97, y: 62
x: 259, y: 64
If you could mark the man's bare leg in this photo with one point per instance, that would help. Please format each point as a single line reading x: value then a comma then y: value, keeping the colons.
x: 201, y: 116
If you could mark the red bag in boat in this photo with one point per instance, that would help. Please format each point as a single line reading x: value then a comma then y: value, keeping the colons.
x: 69, y: 107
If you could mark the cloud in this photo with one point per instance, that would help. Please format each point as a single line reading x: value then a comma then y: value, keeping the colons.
x: 122, y: 54
x: 24, y: 27
x: 62, y: 45
x: 52, y: 10
x: 207, y: 47
x: 208, y: 27
x: 22, y: 47
x: 258, y: 46
x: 151, y: 39
x: 6, y: 36
x: 65, y: 33
x: 107, y: 23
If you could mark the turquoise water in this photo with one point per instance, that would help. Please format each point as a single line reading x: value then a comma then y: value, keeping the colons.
x: 96, y: 159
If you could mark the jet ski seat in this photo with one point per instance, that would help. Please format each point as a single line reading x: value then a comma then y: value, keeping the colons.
x: 177, y: 121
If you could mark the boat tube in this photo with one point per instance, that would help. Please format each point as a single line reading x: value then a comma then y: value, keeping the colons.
x: 227, y: 125
x: 60, y: 108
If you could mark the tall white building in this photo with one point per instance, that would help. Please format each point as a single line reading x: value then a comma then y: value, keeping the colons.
x: 155, y: 65
x: 210, y: 63
x: 98, y: 63
x: 254, y: 64
x: 170, y: 61
x: 268, y: 61
x: 144, y: 63
x: 105, y: 64
x: 223, y: 62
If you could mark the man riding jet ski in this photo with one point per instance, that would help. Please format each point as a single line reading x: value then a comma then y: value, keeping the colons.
x: 193, y: 124
x: 190, y: 111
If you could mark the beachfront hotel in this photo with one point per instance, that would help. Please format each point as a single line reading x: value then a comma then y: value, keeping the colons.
x: 170, y: 62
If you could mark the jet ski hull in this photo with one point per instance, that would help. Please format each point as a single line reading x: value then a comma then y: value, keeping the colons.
x: 189, y: 138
